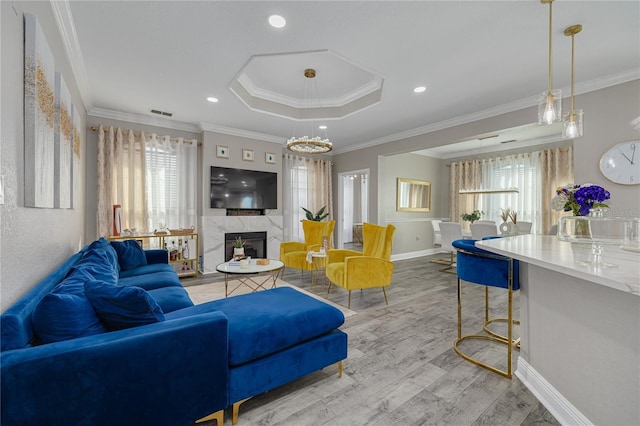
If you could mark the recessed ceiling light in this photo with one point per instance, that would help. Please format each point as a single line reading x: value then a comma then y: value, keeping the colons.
x: 323, y: 127
x: 277, y: 21
x: 212, y: 99
x: 419, y: 89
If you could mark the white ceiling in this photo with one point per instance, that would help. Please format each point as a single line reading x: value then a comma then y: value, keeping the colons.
x: 477, y: 59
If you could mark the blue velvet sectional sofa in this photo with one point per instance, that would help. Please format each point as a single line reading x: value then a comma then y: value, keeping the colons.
x: 111, y: 337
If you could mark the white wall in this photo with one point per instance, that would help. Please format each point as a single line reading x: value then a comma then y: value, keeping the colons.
x: 414, y: 233
x: 33, y: 241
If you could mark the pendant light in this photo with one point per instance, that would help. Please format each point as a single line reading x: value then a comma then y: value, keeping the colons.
x: 572, y: 121
x: 313, y: 144
x: 550, y: 101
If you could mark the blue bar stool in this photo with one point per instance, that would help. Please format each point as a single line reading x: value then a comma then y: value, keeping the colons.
x: 490, y: 270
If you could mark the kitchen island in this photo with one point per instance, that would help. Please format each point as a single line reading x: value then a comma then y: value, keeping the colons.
x: 580, y: 329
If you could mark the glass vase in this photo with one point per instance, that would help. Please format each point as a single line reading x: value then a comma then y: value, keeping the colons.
x: 596, y: 229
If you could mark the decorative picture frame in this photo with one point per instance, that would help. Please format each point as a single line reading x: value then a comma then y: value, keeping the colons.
x: 247, y: 154
x: 270, y: 158
x: 222, y: 151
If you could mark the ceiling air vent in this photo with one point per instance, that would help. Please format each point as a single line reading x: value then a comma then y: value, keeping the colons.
x: 166, y: 114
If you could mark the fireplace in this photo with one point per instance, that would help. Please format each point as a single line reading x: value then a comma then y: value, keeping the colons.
x: 255, y: 244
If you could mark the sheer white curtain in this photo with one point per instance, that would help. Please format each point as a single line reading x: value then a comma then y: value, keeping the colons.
x: 171, y: 181
x: 536, y: 175
x: 153, y: 178
x: 307, y: 184
x: 513, y: 171
x: 121, y: 180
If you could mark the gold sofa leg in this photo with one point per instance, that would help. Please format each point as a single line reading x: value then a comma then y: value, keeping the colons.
x: 218, y: 416
x: 385, y: 296
x: 236, y: 409
x: 349, y: 304
x: 339, y: 369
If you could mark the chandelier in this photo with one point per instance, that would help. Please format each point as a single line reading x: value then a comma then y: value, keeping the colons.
x: 550, y: 101
x: 310, y: 144
x: 572, y: 122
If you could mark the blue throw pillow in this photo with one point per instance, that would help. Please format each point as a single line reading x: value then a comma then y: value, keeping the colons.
x: 130, y: 254
x: 121, y: 307
x: 62, y: 316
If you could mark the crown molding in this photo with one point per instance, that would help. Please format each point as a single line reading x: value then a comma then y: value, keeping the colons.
x: 66, y: 26
x: 581, y: 88
x: 231, y: 131
x: 256, y: 92
x: 143, y: 119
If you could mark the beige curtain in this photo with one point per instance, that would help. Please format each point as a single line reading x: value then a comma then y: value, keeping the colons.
x: 319, y: 186
x: 463, y: 175
x: 556, y: 169
x: 121, y: 180
x: 306, y: 183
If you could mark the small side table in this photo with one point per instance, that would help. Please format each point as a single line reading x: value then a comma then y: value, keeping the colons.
x: 318, y: 261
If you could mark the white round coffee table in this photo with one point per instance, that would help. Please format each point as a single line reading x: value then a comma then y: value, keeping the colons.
x: 253, y: 276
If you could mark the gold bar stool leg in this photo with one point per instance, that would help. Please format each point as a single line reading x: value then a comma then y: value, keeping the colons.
x: 508, y: 340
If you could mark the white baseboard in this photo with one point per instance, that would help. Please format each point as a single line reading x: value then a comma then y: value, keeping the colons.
x: 414, y: 254
x: 549, y: 396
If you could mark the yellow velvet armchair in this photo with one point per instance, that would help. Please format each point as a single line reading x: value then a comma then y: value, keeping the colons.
x: 354, y: 270
x: 294, y: 253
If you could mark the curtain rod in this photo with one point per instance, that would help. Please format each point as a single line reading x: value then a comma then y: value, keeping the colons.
x: 137, y: 134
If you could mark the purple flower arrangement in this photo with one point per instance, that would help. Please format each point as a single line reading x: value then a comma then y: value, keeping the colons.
x: 579, y: 199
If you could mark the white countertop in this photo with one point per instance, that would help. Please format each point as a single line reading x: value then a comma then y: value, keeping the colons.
x: 548, y: 252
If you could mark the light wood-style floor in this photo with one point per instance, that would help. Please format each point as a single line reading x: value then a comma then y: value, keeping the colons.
x: 401, y: 368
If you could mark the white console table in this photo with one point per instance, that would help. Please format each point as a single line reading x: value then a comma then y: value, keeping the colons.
x: 580, y: 329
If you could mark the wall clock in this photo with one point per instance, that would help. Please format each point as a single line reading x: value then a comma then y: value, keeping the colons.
x: 621, y: 163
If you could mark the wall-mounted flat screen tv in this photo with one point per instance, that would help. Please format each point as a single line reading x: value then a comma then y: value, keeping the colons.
x: 243, y: 189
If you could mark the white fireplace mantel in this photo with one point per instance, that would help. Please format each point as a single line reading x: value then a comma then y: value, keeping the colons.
x: 213, y: 228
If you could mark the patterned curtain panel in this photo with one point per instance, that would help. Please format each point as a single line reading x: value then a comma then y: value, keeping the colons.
x: 121, y: 180
x: 556, y: 169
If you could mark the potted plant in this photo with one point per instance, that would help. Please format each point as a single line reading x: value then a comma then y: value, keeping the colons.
x: 472, y: 217
x: 319, y: 216
x: 238, y: 247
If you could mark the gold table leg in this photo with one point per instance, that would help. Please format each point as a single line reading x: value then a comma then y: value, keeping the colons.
x: 253, y: 284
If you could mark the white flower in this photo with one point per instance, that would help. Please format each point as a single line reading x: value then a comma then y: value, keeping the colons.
x: 558, y: 202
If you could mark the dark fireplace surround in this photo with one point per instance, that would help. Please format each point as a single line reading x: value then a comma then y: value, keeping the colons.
x: 255, y: 244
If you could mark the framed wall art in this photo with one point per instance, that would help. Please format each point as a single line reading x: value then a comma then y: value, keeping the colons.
x: 222, y: 151
x: 270, y: 158
x: 39, y: 116
x: 247, y: 154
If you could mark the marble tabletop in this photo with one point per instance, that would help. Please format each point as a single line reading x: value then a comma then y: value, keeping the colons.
x: 560, y: 256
